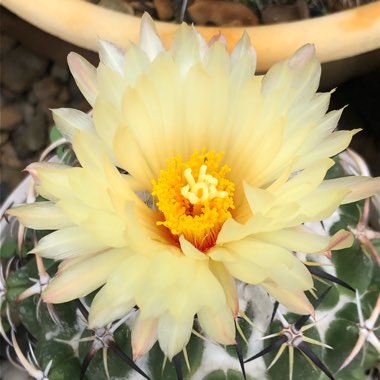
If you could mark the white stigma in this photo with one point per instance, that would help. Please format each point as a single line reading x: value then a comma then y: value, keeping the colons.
x: 202, y: 190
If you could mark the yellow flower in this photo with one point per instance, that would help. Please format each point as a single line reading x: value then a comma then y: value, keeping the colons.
x: 193, y: 173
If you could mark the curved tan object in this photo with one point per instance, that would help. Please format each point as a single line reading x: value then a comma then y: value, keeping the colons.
x: 337, y: 36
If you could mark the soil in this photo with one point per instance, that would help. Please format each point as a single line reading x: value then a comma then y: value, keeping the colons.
x: 34, y: 77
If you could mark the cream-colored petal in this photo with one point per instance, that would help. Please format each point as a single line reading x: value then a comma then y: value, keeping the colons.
x: 68, y: 243
x: 141, y: 128
x: 108, y: 227
x: 242, y: 50
x: 65, y: 264
x: 296, y: 302
x: 51, y: 180
x: 321, y: 203
x: 329, y: 147
x: 150, y: 42
x: 68, y: 120
x: 144, y: 335
x: 359, y: 187
x: 117, y: 296
x: 259, y: 200
x: 221, y: 254
x: 304, y: 182
x: 178, y: 284
x: 341, y: 240
x: 217, y: 59
x: 112, y: 56
x: 294, y: 79
x: 111, y: 86
x: 297, y: 239
x: 81, y: 279
x: 41, y: 216
x: 190, y: 251
x: 247, y: 271
x: 259, y: 261
x: 187, y: 48
x: 85, y: 76
x: 293, y: 278
x: 89, y: 149
x: 173, y: 335
x: 136, y: 62
x: 218, y: 324
x: 106, y: 120
x: 228, y: 284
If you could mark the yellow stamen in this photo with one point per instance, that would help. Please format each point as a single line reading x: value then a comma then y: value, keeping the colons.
x: 195, y: 207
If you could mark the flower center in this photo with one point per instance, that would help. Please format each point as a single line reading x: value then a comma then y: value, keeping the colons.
x: 195, y: 198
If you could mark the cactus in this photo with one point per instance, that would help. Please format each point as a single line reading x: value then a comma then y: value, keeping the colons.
x: 53, y: 341
x: 193, y: 228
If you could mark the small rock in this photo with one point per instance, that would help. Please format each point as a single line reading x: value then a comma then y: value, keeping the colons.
x: 275, y: 14
x: 8, y: 95
x: 11, y: 169
x: 47, y: 88
x: 338, y: 6
x: 9, y: 158
x: 30, y: 137
x: 7, y: 44
x: 222, y: 13
x: 28, y: 112
x: 32, y: 98
x: 164, y: 9
x: 64, y: 95
x: 10, y: 117
x: 60, y: 72
x: 20, y: 68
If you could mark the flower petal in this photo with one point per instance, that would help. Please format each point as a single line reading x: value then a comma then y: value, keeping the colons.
x: 41, y: 216
x: 359, y: 187
x: 144, y: 335
x: 296, y: 239
x: 296, y: 302
x: 69, y: 120
x: 149, y: 40
x: 87, y: 276
x: 117, y: 296
x: 85, y: 76
x: 218, y: 324
x: 190, y: 251
x: 228, y: 284
x: 67, y: 243
x: 112, y: 56
x: 173, y: 335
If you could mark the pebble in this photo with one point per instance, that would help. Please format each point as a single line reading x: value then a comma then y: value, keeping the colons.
x: 9, y: 157
x: 275, y: 14
x: 60, y: 72
x: 20, y: 68
x: 11, y: 169
x: 46, y: 88
x: 31, y: 136
x: 10, y: 117
x: 222, y: 13
x: 164, y: 9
